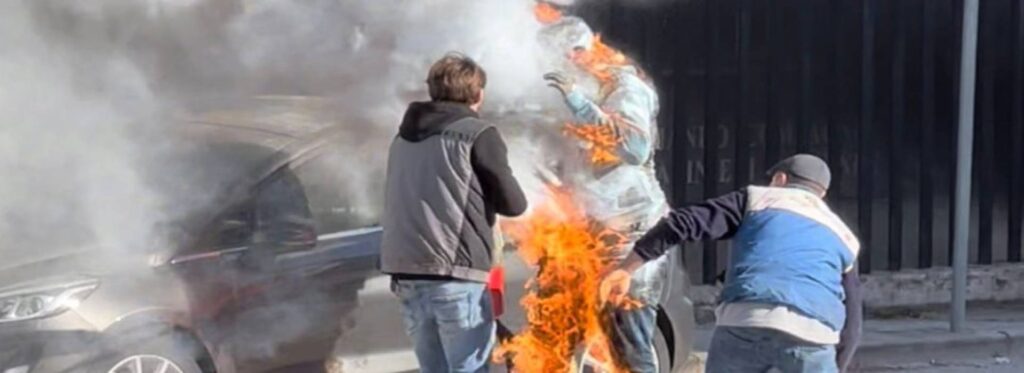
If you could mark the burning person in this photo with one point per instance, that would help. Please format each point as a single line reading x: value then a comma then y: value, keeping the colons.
x: 615, y: 182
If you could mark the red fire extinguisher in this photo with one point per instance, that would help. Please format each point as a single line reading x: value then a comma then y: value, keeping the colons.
x: 496, y: 278
x: 496, y: 287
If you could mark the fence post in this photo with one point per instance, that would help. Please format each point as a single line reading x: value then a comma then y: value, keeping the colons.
x: 965, y: 144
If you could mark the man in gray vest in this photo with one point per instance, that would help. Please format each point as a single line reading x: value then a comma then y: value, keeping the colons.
x: 447, y: 178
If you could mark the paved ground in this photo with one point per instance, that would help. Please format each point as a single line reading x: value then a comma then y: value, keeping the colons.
x: 920, y: 341
x: 995, y: 365
x: 903, y: 342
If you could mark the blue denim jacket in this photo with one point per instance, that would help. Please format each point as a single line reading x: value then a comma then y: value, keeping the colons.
x: 631, y: 108
x: 627, y: 198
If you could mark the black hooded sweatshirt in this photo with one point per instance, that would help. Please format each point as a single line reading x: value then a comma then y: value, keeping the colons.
x: 501, y: 193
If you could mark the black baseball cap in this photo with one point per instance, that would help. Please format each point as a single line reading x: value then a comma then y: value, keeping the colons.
x: 805, y: 168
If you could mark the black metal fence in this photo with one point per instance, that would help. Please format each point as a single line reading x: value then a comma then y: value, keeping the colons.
x: 869, y: 85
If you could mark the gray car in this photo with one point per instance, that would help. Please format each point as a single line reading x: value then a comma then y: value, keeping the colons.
x: 275, y: 272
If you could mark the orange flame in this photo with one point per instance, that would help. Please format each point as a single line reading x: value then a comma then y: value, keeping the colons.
x: 602, y: 142
x: 563, y: 311
x: 570, y: 252
x: 599, y: 59
x: 547, y: 13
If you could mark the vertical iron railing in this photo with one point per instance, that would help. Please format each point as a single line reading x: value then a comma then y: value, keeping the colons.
x: 869, y: 85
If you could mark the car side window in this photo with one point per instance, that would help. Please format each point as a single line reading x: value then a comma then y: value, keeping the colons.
x: 235, y: 228
x: 276, y: 217
x: 343, y: 192
x: 283, y: 218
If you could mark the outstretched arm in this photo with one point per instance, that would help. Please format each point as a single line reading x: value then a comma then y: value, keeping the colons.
x: 583, y: 109
x: 713, y: 219
x: 716, y: 218
x: 628, y: 111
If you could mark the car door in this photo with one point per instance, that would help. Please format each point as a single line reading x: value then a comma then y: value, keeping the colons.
x: 314, y: 246
x: 209, y: 272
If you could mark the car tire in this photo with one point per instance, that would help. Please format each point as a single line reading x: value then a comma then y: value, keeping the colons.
x: 166, y: 353
x: 662, y: 353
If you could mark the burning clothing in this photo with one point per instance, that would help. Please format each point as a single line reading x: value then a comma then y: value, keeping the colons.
x: 630, y: 108
x: 631, y: 332
x: 625, y: 197
x: 597, y: 205
x: 447, y: 177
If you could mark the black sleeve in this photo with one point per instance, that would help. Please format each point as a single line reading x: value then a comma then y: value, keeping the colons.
x: 714, y: 219
x: 490, y: 163
x: 850, y: 336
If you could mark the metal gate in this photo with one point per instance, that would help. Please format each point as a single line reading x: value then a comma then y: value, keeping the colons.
x: 869, y: 85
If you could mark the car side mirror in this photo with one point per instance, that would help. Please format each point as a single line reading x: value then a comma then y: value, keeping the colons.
x: 234, y: 233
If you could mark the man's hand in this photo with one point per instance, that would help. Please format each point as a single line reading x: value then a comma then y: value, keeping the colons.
x: 561, y: 81
x: 615, y: 286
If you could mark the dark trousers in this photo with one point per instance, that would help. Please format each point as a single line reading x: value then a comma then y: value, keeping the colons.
x: 632, y: 337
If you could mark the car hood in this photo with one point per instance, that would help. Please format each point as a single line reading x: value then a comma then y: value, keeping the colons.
x: 28, y: 269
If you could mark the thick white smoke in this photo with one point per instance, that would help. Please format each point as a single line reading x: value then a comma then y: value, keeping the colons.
x: 64, y: 144
x: 376, y: 53
x: 87, y: 87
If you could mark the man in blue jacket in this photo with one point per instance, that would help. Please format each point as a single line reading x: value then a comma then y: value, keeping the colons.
x: 791, y: 299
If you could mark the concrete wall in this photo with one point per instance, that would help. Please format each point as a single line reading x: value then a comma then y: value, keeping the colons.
x: 910, y: 288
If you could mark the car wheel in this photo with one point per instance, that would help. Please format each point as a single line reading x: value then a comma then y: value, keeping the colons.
x: 586, y: 363
x: 163, y: 354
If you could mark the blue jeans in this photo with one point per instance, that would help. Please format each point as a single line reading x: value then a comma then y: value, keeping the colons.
x: 755, y: 350
x: 632, y: 336
x: 450, y: 322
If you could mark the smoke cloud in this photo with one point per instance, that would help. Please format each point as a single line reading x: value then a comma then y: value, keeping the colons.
x: 92, y: 93
x: 64, y: 142
x: 89, y: 89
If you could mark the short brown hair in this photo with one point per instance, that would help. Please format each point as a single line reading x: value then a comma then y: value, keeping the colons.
x: 456, y: 78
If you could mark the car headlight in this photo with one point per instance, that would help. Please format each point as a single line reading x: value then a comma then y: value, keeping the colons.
x: 42, y: 302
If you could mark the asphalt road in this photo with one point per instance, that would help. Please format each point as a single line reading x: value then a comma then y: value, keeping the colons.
x: 994, y: 364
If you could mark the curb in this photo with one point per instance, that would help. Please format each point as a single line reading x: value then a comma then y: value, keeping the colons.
x: 933, y: 347
x: 908, y: 288
x: 695, y: 364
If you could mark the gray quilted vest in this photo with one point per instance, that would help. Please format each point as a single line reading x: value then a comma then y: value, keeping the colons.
x: 427, y: 191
